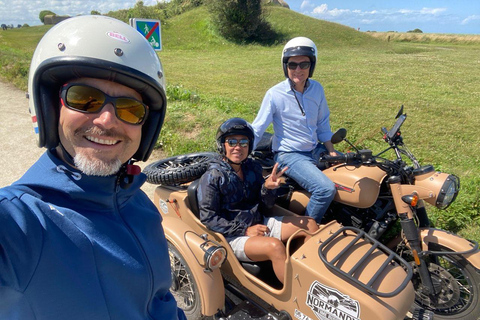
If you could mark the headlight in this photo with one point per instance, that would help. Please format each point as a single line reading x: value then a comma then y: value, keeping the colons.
x: 214, y: 257
x: 448, y: 192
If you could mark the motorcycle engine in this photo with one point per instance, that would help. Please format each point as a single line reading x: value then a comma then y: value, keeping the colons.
x: 374, y: 220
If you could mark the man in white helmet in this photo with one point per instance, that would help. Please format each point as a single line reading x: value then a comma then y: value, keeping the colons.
x: 298, y: 109
x: 78, y: 238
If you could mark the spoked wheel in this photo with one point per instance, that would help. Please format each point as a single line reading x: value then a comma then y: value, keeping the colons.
x: 458, y: 286
x: 184, y: 287
x: 179, y: 169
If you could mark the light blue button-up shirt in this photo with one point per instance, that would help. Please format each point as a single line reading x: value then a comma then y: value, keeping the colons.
x: 294, y: 131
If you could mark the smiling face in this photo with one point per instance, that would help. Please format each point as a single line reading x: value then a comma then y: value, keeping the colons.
x: 99, y: 142
x: 299, y: 76
x: 238, y: 153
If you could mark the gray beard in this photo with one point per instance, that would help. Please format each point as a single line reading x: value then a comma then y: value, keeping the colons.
x: 95, y: 167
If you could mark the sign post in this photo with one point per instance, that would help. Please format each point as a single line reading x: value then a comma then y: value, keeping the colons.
x: 150, y: 29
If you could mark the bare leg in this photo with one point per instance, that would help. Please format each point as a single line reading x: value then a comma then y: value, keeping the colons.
x: 268, y: 248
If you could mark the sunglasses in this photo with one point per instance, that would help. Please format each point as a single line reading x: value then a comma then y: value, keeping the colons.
x: 86, y: 99
x: 303, y: 65
x: 234, y: 142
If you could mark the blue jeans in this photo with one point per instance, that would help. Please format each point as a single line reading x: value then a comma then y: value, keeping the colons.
x: 302, y: 167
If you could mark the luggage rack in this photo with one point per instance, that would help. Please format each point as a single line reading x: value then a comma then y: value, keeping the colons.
x: 376, y: 245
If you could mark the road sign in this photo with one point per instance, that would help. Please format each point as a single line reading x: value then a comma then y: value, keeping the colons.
x: 150, y: 29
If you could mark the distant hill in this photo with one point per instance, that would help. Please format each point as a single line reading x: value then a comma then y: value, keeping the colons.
x: 193, y: 29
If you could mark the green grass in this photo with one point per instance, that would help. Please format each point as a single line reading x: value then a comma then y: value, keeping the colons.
x: 366, y: 80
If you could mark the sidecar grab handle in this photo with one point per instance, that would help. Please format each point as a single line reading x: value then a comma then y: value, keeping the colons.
x: 357, y: 236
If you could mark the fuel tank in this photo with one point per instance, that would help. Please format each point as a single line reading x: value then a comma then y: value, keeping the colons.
x: 357, y: 186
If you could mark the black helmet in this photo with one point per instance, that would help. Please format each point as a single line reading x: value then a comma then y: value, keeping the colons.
x: 299, y: 46
x: 95, y: 47
x: 231, y: 127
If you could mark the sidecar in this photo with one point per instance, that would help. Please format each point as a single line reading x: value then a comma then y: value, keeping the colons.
x: 339, y: 273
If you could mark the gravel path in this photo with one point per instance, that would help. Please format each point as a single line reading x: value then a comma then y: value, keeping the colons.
x: 18, y: 147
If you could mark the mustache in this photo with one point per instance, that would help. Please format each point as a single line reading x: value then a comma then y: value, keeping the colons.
x: 94, y: 130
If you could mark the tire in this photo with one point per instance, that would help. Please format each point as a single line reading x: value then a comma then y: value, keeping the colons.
x: 179, y: 169
x: 184, y: 288
x: 460, y: 287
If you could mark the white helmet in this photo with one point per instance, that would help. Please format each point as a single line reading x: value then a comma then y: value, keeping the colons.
x: 299, y: 46
x: 95, y: 47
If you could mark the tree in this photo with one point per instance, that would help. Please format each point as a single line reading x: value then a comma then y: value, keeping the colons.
x: 44, y: 13
x: 241, y: 20
x: 415, y: 31
x: 95, y: 13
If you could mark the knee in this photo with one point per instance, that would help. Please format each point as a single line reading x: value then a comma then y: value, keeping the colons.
x: 331, y: 190
x: 325, y: 189
x: 276, y: 249
x: 312, y: 225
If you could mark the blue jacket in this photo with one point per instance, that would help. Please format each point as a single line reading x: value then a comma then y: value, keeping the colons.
x: 229, y: 205
x: 79, y: 247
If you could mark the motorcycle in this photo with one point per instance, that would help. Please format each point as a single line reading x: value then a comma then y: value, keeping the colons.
x: 337, y: 273
x: 386, y: 199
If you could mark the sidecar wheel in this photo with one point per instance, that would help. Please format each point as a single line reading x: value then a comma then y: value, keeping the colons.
x: 179, y: 169
x: 184, y: 288
x: 459, y: 285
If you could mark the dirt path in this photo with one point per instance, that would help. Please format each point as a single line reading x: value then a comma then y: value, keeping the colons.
x: 18, y: 146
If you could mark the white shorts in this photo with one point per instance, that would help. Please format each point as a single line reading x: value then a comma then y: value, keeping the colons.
x: 274, y: 224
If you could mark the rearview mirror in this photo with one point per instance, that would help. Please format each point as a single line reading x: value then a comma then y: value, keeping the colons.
x: 339, y: 135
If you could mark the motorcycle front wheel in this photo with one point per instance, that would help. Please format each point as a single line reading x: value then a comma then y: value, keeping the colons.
x: 457, y: 284
x: 184, y: 288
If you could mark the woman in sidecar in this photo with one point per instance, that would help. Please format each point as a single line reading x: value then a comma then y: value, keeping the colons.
x: 232, y: 194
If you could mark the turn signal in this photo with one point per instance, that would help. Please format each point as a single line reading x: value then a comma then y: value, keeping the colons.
x: 411, y: 199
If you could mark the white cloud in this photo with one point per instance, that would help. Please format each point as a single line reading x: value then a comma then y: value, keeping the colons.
x: 27, y: 11
x: 433, y: 11
x: 322, y: 9
x: 306, y: 6
x: 469, y: 19
x: 394, y: 17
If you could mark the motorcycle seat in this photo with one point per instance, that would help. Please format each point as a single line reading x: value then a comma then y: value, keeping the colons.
x: 265, y: 143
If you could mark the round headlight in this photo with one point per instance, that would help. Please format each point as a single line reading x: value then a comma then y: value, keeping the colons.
x: 449, y: 192
x: 214, y: 257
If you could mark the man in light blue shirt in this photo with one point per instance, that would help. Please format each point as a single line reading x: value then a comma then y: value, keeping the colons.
x: 298, y: 109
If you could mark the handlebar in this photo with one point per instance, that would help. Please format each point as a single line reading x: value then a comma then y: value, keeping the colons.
x: 361, y: 156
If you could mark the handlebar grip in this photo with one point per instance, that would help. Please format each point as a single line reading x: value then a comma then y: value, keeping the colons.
x: 362, y: 156
x: 346, y: 157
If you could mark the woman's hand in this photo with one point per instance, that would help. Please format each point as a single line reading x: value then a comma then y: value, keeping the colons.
x: 257, y: 230
x: 274, y: 181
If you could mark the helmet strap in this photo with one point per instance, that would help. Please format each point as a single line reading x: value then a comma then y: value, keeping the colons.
x: 231, y: 162
x: 66, y: 156
x: 128, y: 171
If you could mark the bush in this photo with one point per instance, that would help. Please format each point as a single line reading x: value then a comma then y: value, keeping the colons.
x: 241, y: 21
x: 44, y: 13
x: 415, y: 31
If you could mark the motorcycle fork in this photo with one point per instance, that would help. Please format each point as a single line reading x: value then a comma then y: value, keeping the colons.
x: 412, y: 234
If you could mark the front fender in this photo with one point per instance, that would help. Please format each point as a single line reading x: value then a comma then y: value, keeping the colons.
x: 450, y: 241
x: 209, y: 284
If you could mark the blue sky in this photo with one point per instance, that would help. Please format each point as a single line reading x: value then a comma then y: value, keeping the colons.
x: 430, y: 16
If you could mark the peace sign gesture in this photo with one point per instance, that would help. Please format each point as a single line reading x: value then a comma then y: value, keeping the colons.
x: 273, y: 181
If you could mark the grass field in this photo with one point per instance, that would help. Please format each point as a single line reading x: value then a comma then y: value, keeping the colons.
x: 366, y: 80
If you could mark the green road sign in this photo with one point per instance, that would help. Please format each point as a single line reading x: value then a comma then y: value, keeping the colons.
x: 150, y: 30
